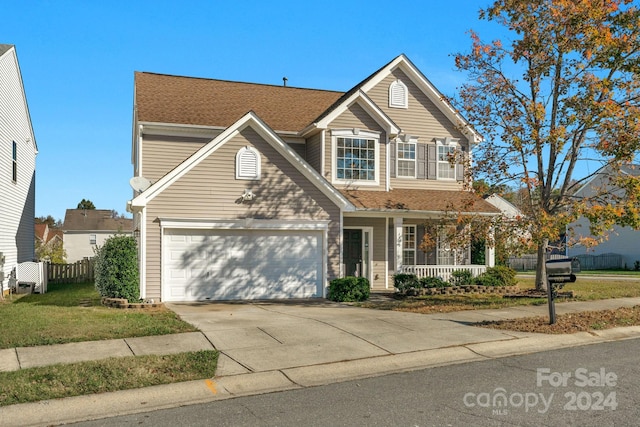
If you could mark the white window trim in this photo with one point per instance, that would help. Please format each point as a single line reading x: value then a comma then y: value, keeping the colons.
x: 414, y: 142
x: 446, y: 142
x: 240, y: 174
x: 354, y: 133
x: 415, y: 242
x: 405, y: 101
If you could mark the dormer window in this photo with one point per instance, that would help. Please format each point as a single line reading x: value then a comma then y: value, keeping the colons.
x: 398, y: 95
x: 248, y: 163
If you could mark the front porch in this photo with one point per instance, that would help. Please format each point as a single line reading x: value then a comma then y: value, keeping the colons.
x: 441, y: 271
x: 379, y: 247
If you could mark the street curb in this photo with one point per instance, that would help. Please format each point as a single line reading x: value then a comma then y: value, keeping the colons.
x: 126, y: 402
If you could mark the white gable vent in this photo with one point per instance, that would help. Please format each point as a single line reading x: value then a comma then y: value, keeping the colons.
x: 398, y: 95
x: 248, y: 163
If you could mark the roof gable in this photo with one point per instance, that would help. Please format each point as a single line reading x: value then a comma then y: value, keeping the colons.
x: 11, y: 81
x: 248, y: 120
x: 433, y: 94
x: 360, y: 98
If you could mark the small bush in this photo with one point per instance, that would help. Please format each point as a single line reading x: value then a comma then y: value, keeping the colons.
x: 349, y: 289
x: 497, y: 276
x: 461, y: 278
x: 116, y: 268
x: 403, y: 282
x: 433, y: 282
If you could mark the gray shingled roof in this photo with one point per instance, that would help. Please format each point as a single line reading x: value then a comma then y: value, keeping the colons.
x: 95, y: 220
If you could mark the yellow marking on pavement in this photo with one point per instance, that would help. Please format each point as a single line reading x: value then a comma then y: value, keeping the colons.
x: 212, y: 386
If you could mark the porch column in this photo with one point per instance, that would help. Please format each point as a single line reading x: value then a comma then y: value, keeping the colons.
x: 490, y: 250
x: 397, y: 224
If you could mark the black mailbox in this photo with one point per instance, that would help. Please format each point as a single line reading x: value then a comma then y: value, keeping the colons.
x: 561, y: 270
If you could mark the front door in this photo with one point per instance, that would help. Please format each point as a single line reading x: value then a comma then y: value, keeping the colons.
x: 352, y: 244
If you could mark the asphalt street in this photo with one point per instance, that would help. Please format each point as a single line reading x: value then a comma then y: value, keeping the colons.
x: 592, y: 385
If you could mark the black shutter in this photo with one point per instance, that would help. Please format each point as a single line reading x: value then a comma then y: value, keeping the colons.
x: 392, y: 159
x: 421, y: 161
x: 432, y: 164
x: 460, y: 164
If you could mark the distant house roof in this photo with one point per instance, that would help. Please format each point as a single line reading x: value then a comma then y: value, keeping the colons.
x: 95, y: 220
x: 419, y: 200
x: 162, y: 98
x: 506, y: 207
x: 45, y: 234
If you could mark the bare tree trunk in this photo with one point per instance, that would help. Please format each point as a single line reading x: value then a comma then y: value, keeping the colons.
x: 541, y: 268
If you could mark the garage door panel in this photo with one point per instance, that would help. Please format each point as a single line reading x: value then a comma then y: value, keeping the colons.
x: 242, y: 264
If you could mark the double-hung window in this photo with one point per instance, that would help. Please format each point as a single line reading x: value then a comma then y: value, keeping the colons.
x: 406, y: 159
x: 356, y: 156
x: 446, y: 163
x: 409, y: 245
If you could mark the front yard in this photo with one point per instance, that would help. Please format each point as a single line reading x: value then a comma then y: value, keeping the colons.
x: 72, y: 312
x: 584, y: 289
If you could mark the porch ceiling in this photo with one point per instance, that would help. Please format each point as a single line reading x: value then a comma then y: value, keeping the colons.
x: 419, y: 200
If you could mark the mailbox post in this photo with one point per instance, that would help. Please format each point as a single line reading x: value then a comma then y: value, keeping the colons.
x: 559, y: 272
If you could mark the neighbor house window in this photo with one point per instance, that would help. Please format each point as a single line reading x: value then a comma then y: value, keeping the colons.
x: 92, y: 239
x: 248, y: 163
x: 406, y: 159
x: 446, y: 168
x: 398, y: 95
x: 409, y: 245
x: 14, y: 163
x: 356, y: 156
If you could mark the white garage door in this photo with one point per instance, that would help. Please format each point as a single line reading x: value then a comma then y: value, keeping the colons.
x: 241, y: 264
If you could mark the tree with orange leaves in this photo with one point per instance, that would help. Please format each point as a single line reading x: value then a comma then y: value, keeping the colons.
x: 565, y: 89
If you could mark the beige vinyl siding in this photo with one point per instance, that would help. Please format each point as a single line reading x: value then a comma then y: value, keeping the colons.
x: 210, y: 191
x: 379, y: 245
x: 422, y: 118
x: 161, y: 154
x: 17, y: 208
x: 314, y: 151
x: 356, y: 117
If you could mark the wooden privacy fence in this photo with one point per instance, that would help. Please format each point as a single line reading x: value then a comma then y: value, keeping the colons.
x: 80, y: 271
x: 587, y: 262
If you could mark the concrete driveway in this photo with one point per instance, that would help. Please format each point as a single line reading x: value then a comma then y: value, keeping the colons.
x: 269, y: 336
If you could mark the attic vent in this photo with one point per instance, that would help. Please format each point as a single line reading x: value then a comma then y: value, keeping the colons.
x: 248, y: 163
x: 398, y: 95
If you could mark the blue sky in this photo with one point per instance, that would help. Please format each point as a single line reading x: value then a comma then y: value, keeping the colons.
x: 78, y: 58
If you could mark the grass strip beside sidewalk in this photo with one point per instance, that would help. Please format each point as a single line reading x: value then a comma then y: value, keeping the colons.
x: 58, y: 381
x: 73, y: 313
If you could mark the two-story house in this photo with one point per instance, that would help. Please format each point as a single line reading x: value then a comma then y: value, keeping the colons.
x: 85, y: 229
x: 262, y: 191
x: 18, y: 152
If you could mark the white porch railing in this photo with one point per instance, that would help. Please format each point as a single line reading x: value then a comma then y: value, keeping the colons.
x: 442, y: 271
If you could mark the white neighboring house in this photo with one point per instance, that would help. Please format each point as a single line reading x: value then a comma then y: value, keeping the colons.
x: 620, y: 240
x: 18, y: 152
x: 84, y: 229
x: 507, y: 208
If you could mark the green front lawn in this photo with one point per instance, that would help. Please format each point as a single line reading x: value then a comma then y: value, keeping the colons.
x: 72, y: 312
x: 57, y: 381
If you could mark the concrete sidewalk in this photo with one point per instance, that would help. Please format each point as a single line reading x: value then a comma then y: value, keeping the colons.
x: 273, y: 346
